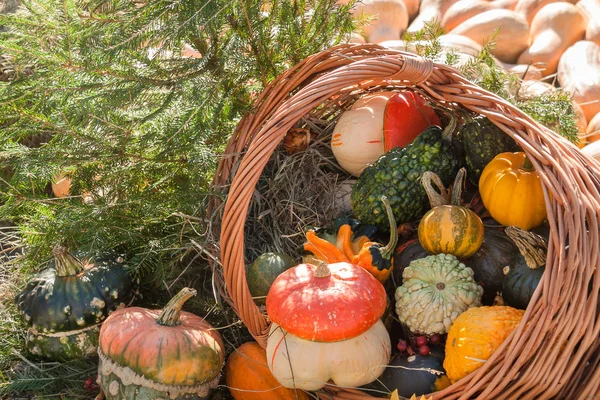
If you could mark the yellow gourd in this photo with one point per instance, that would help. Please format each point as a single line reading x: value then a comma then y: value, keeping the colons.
x: 390, y: 19
x: 579, y: 74
x: 512, y: 192
x: 513, y: 32
x: 475, y: 335
x: 555, y: 28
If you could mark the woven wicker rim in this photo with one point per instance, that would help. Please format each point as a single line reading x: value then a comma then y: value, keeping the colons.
x: 555, y: 351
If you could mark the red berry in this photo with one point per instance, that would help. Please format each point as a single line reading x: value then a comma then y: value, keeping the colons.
x: 410, y: 351
x: 402, y: 345
x: 436, y: 339
x: 424, y: 350
x: 421, y: 341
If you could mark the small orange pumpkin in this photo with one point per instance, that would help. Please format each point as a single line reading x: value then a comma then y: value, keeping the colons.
x: 511, y: 191
x: 248, y: 377
x: 475, y: 335
x: 449, y: 228
x: 165, y: 353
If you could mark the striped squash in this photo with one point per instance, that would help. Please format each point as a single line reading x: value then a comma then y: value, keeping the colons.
x: 452, y: 230
x: 151, y: 354
x: 449, y: 228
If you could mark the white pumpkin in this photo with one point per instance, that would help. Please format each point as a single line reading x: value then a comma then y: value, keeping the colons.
x: 304, y: 364
x: 357, y: 139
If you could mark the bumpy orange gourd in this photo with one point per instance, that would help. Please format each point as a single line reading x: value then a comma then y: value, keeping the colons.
x: 248, y: 377
x: 374, y: 257
x: 512, y: 192
x: 449, y: 228
x: 475, y: 335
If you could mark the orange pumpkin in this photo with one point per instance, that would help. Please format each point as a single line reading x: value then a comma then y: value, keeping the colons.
x: 165, y: 353
x: 248, y: 377
x: 511, y: 191
x: 475, y: 335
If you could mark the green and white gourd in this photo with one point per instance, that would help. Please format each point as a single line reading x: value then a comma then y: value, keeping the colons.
x: 65, y: 304
x: 435, y: 291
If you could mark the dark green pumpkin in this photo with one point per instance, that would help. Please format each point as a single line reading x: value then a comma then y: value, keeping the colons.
x: 482, y: 141
x: 65, y: 304
x: 263, y: 271
x: 496, y: 252
x: 403, y: 255
x: 526, y: 270
x: 415, y: 374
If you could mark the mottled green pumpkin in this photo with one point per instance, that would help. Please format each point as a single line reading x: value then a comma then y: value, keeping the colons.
x: 65, y: 304
x: 263, y: 271
x: 435, y: 291
x: 525, y: 272
x: 159, y: 354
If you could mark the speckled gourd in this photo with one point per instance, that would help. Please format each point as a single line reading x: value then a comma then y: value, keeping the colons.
x: 65, y: 304
x: 435, y: 291
x: 159, y: 354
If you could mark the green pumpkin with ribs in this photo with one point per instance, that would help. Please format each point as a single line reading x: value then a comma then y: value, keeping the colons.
x: 65, y: 304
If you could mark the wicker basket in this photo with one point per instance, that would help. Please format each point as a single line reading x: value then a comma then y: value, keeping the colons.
x: 555, y: 351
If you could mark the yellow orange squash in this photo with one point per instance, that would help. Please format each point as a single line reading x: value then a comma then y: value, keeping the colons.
x: 512, y: 192
x: 475, y: 335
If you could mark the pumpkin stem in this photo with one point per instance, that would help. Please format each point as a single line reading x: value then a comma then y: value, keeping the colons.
x: 450, y: 128
x: 527, y: 165
x: 169, y: 316
x: 435, y: 199
x: 322, y: 270
x: 532, y: 246
x: 457, y: 187
x: 388, y: 249
x: 66, y: 263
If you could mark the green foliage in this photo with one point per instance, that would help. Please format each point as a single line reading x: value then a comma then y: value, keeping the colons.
x: 100, y: 92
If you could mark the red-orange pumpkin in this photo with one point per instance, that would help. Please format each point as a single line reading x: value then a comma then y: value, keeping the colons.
x: 338, y: 305
x: 169, y: 353
x: 248, y: 377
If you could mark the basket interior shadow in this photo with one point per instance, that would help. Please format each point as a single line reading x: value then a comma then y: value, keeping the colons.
x: 553, y: 353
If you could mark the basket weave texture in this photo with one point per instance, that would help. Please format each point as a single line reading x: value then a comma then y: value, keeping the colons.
x: 555, y: 352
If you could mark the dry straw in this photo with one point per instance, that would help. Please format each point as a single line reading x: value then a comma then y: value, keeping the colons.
x: 555, y: 351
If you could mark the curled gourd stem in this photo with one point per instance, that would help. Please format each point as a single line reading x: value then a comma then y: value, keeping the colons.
x: 533, y: 247
x: 441, y: 199
x: 435, y: 199
x: 387, y: 250
x: 169, y: 316
x: 457, y: 188
x: 66, y: 263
